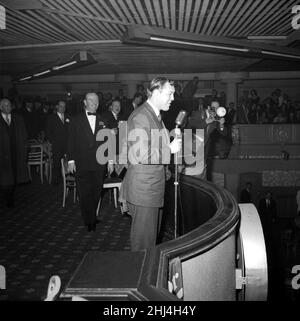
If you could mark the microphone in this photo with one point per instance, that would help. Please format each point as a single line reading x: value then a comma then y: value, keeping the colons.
x: 221, y: 112
x: 180, y: 118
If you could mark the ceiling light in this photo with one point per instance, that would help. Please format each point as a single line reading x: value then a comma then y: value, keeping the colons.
x: 198, y: 44
x: 25, y: 78
x: 266, y: 37
x: 272, y: 53
x: 42, y: 73
x: 64, y: 65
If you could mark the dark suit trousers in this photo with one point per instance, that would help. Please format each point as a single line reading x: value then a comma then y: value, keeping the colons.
x: 89, y: 184
x: 145, y: 226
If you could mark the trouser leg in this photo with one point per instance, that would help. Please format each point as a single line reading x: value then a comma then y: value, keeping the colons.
x: 144, y: 226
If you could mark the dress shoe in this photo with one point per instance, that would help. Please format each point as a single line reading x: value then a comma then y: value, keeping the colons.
x: 94, y: 227
x: 98, y: 221
x: 89, y: 227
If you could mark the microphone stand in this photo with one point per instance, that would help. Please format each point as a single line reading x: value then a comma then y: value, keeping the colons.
x: 176, y: 183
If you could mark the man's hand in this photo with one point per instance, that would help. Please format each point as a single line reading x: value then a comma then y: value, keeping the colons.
x: 168, y: 173
x: 71, y: 167
x: 209, y: 120
x: 110, y: 167
x: 222, y: 121
x: 175, y: 146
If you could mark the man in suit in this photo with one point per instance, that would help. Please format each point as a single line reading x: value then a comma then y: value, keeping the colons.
x: 149, y: 150
x: 112, y: 118
x: 267, y: 210
x: 56, y: 132
x: 30, y: 119
x: 13, y: 139
x: 112, y: 115
x: 81, y: 153
x: 246, y: 196
x: 134, y: 103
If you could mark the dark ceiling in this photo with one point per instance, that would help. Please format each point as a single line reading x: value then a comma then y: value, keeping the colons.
x: 40, y: 33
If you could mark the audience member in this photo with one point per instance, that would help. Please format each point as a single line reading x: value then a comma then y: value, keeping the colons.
x: 132, y: 105
x: 56, y: 132
x: 190, y: 88
x: 13, y: 153
x: 246, y: 194
x: 81, y: 153
x: 30, y: 120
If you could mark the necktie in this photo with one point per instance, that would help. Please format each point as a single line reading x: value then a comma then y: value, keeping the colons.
x: 91, y: 114
x: 159, y: 117
x: 62, y: 118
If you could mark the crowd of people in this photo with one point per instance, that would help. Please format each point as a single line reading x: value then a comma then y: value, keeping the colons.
x: 278, y: 108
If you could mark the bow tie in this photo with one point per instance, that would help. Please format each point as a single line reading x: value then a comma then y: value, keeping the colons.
x: 91, y: 114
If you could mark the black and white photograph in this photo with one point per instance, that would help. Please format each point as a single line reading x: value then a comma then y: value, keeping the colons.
x: 150, y: 152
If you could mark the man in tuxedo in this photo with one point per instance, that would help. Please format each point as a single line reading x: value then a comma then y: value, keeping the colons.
x: 56, y: 132
x: 81, y: 152
x: 13, y: 139
x: 144, y: 182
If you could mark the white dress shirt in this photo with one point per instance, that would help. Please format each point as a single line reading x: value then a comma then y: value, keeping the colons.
x: 92, y: 121
x: 61, y: 116
x: 7, y: 118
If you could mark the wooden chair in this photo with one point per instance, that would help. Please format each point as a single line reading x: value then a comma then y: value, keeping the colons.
x: 111, y: 183
x: 69, y: 181
x: 35, y: 157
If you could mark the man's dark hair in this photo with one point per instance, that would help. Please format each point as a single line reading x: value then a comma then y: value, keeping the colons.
x: 137, y: 95
x: 157, y: 83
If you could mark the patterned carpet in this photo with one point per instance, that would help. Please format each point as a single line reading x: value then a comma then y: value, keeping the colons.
x: 39, y: 238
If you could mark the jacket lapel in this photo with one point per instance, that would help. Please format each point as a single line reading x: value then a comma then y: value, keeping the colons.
x: 86, y: 127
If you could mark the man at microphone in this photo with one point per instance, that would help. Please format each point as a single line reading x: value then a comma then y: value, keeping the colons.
x: 149, y: 151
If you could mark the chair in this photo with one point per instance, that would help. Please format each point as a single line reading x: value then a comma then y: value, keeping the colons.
x: 111, y: 183
x: 35, y: 157
x: 69, y: 181
x: 49, y: 160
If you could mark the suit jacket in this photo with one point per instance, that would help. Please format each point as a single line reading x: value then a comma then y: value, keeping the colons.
x: 211, y: 131
x: 245, y: 196
x: 57, y: 132
x: 110, y: 119
x: 144, y: 182
x: 13, y: 152
x: 267, y: 214
x: 31, y: 122
x: 82, y: 143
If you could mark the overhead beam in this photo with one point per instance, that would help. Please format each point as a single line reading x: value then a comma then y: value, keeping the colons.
x: 154, y: 36
x: 21, y: 4
x: 61, y: 44
x: 294, y: 36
